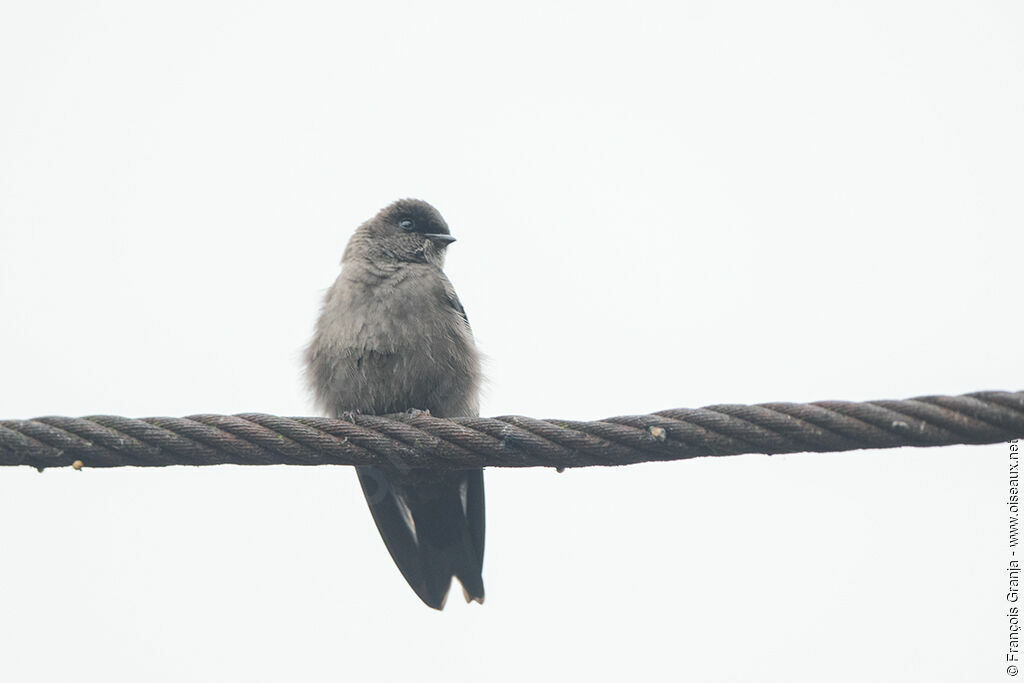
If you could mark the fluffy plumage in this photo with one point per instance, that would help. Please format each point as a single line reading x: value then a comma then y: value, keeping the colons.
x: 393, y: 336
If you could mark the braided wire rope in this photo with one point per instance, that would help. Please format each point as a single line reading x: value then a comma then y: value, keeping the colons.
x: 419, y: 440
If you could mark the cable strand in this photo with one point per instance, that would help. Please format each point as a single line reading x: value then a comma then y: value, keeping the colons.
x: 420, y: 440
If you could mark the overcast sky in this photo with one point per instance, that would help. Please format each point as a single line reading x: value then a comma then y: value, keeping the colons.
x: 657, y: 205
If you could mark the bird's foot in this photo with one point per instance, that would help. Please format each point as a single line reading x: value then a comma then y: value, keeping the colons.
x: 350, y: 415
x: 417, y: 411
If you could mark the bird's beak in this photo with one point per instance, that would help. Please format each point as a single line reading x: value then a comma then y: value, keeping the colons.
x: 438, y: 237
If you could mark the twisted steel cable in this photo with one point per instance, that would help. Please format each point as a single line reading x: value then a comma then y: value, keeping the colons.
x: 419, y: 440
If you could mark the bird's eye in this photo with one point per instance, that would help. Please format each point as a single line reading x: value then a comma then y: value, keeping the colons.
x: 406, y: 225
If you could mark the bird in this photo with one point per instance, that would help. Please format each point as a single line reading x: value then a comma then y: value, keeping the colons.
x: 392, y: 337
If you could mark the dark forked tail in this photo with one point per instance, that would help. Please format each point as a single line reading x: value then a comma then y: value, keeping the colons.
x: 433, y: 525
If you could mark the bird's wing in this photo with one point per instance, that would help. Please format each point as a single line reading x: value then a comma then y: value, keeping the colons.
x: 453, y: 299
x: 475, y: 518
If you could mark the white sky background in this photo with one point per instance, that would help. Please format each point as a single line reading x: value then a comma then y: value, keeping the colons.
x: 660, y: 205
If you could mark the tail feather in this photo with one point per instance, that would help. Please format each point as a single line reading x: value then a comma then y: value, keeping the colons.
x: 433, y: 525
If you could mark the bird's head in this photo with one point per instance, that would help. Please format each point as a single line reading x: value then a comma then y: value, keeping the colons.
x: 408, y: 230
